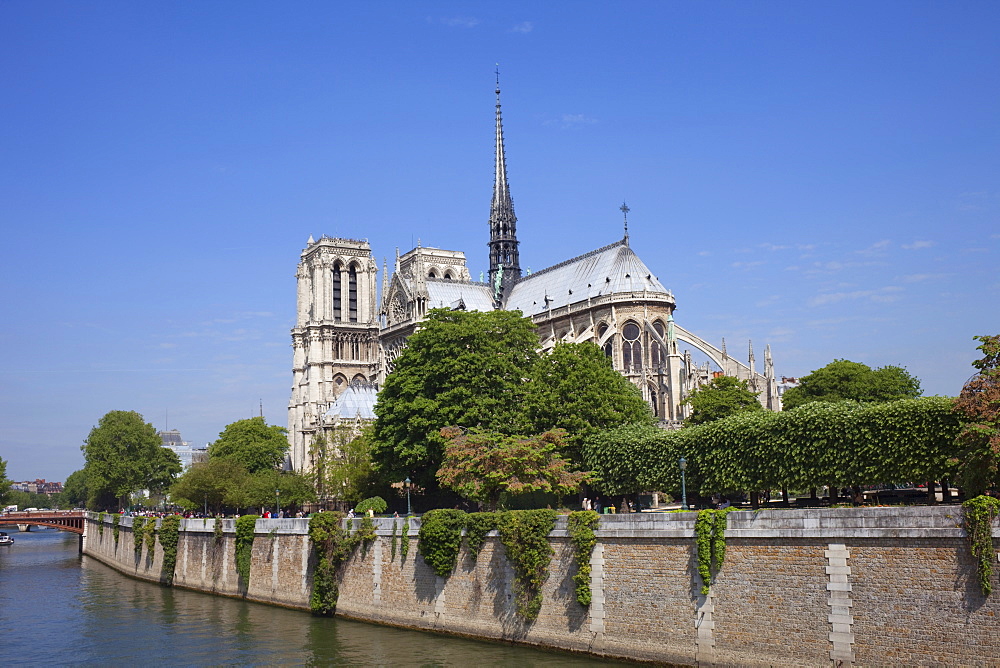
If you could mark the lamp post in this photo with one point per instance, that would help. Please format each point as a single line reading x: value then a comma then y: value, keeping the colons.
x: 684, y: 494
x: 206, y: 505
x: 409, y: 509
x: 277, y: 492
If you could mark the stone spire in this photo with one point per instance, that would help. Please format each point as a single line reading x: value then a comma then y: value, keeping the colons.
x: 503, y: 222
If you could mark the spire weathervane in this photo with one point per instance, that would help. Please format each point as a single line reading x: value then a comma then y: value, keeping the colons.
x: 624, y: 209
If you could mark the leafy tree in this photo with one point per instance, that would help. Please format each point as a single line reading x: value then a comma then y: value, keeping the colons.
x: 481, y: 465
x: 843, y: 379
x: 343, y: 467
x: 216, y: 483
x: 75, y: 489
x: 465, y: 369
x: 293, y: 489
x: 251, y: 442
x: 979, y: 403
x: 4, y: 482
x: 575, y: 388
x: 722, y: 397
x: 124, y: 454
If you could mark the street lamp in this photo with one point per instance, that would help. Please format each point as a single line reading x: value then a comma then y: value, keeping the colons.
x: 684, y: 494
x: 277, y: 492
x: 206, y: 505
x: 406, y: 483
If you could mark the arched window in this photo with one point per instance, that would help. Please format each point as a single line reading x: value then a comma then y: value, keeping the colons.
x: 631, y: 346
x: 658, y: 354
x: 447, y: 275
x: 654, y: 398
x: 353, y: 294
x: 432, y: 274
x: 602, y: 329
x: 337, y: 293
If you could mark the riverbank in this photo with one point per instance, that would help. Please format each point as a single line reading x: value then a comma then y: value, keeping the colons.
x: 874, y: 586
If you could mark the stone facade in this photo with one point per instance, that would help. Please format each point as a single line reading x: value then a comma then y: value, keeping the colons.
x: 874, y: 587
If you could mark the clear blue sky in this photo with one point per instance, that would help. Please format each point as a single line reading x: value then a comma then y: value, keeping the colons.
x: 823, y: 177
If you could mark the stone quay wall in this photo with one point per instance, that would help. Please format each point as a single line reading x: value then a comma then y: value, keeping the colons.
x: 866, y: 586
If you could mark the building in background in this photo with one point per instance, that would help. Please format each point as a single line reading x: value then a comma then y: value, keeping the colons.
x: 187, y: 453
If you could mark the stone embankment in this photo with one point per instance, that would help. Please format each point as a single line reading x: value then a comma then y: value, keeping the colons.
x: 868, y: 586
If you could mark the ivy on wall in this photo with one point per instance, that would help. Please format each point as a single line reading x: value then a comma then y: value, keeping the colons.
x: 581, y: 526
x: 404, y: 537
x: 441, y: 539
x: 100, y: 523
x: 332, y: 545
x: 115, y: 530
x: 169, y: 536
x: 138, y: 524
x: 979, y: 514
x: 218, y: 531
x: 149, y: 536
x: 524, y: 534
x: 477, y: 526
x: 392, y: 557
x: 710, y: 537
x: 244, y: 546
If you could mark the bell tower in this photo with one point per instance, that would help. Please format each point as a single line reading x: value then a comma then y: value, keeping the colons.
x: 335, y: 338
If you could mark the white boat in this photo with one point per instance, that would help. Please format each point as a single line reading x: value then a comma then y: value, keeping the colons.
x: 5, y: 539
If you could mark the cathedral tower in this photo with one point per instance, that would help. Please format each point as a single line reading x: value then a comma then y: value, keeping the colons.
x: 505, y: 266
x: 335, y: 338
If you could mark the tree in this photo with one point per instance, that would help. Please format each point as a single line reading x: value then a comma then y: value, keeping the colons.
x: 251, y: 442
x: 216, y: 483
x: 575, y: 388
x: 75, y: 489
x: 4, y: 483
x: 979, y: 403
x: 124, y: 454
x: 344, y: 468
x: 481, y: 465
x: 721, y: 397
x: 843, y: 379
x: 465, y: 369
x: 293, y: 489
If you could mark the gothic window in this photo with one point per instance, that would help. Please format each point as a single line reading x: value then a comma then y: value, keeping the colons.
x: 336, y: 291
x: 656, y: 404
x: 631, y: 346
x: 608, y: 346
x: 657, y: 351
x: 355, y: 349
x: 353, y: 293
x: 447, y: 275
x: 433, y: 274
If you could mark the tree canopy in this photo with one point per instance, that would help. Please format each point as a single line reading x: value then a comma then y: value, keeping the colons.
x: 979, y: 404
x: 75, y: 489
x: 575, y: 388
x: 843, y: 379
x: 721, y: 397
x: 343, y: 466
x: 481, y: 465
x: 251, y: 442
x: 4, y: 482
x: 464, y: 369
x: 124, y: 454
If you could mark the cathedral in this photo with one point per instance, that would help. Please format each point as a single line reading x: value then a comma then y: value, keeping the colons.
x: 348, y: 333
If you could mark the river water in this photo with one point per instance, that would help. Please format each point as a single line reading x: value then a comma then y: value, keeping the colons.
x: 57, y: 607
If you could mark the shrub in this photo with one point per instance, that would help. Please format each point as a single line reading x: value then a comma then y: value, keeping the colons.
x: 441, y: 539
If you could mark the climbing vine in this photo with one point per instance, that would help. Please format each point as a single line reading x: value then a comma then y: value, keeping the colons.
x: 218, y: 530
x: 581, y: 526
x: 138, y: 524
x: 524, y: 535
x: 169, y: 535
x: 244, y: 545
x: 980, y: 513
x: 392, y: 557
x: 332, y: 545
x: 149, y: 535
x: 100, y: 523
x: 710, y: 536
x: 404, y: 537
x: 115, y: 528
x: 477, y: 526
x: 441, y: 539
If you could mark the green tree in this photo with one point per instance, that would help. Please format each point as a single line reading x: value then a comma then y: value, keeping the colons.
x: 482, y: 465
x: 124, y: 454
x: 465, y: 369
x: 215, y: 483
x: 343, y: 466
x: 251, y: 442
x: 575, y: 388
x: 721, y: 397
x: 293, y: 489
x: 979, y: 404
x: 75, y: 489
x: 843, y: 379
x: 4, y: 482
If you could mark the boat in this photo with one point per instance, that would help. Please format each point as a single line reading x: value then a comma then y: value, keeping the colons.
x: 5, y: 539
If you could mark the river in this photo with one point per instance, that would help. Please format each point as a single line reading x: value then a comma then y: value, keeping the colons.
x: 57, y: 607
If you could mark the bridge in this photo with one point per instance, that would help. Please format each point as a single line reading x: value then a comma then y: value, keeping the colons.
x: 64, y: 520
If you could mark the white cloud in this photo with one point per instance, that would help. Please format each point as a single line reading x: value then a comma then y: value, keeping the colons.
x: 877, y: 248
x: 882, y: 295
x: 747, y: 265
x: 457, y: 21
x: 920, y: 278
x: 570, y: 121
x: 918, y: 244
x: 524, y: 27
x: 773, y: 247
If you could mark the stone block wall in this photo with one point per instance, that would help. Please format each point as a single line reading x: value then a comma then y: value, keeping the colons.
x: 873, y: 586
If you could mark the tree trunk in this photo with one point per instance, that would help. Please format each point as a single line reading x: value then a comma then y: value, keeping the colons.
x: 833, y: 494
x: 932, y: 493
x: 784, y: 495
x: 755, y: 500
x: 946, y: 491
